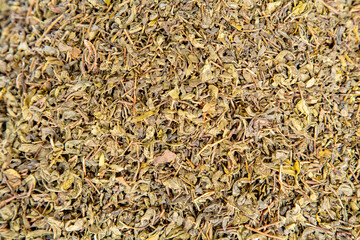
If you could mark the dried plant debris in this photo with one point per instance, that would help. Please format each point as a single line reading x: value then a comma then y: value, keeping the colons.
x: 179, y: 119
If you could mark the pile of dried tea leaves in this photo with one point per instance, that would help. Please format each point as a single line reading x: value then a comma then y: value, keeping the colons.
x: 193, y: 119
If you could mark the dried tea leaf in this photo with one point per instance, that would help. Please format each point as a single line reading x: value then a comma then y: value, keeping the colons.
x: 289, y: 170
x: 345, y: 189
x: 214, y: 91
x: 174, y: 183
x: 166, y: 157
x: 256, y: 237
x: 298, y: 9
x: 101, y: 159
x: 155, y: 236
x: 326, y: 153
x: 132, y: 15
x: 303, y: 108
x: 297, y: 167
x: 64, y: 48
x: 311, y: 83
x: 75, y: 53
x: 73, y: 146
x: 271, y: 7
x: 188, y: 96
x: 68, y: 182
x: 30, y: 148
x: 13, y: 178
x: 143, y: 116
x: 107, y: 2
x: 75, y: 225
x: 209, y: 107
x: 282, y: 54
x: 3, y: 66
x: 195, y: 42
x: 174, y: 94
x: 206, y: 72
x: 7, y: 212
x: 56, y: 226
x: 248, y: 77
x: 116, y: 168
x: 123, y: 182
x: 37, y: 234
x: 296, y: 123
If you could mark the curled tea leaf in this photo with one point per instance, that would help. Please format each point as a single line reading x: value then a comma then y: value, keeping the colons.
x: 282, y: 54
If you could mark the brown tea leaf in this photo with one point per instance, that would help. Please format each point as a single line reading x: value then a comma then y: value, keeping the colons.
x: 166, y: 157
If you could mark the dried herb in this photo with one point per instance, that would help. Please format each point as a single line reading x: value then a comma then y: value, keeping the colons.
x: 179, y: 119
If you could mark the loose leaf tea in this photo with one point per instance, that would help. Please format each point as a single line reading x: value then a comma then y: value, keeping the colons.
x: 179, y: 119
x: 166, y: 157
